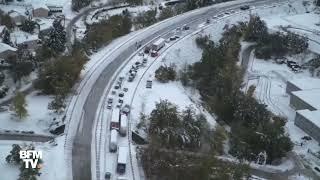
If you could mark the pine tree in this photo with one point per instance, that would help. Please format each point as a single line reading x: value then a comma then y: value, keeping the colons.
x: 19, y: 106
x: 28, y: 26
x: 14, y: 156
x: 6, y: 38
x: 57, y: 37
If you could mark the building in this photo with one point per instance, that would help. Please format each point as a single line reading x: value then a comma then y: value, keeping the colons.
x: 309, y: 122
x: 305, y: 99
x: 17, y: 17
x: 26, y: 40
x: 40, y: 10
x: 6, y: 51
x: 302, y: 84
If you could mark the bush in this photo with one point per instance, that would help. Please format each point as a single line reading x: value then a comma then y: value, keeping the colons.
x: 28, y: 26
x: 202, y: 41
x: 145, y: 19
x: 102, y: 33
x: 59, y: 76
x: 165, y: 74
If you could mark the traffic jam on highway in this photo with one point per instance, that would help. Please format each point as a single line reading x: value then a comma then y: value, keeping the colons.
x: 120, y: 108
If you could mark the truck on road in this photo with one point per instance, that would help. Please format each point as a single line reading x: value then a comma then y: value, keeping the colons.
x: 156, y: 46
x: 113, y: 140
x: 123, y: 125
x: 114, y: 124
x: 122, y: 159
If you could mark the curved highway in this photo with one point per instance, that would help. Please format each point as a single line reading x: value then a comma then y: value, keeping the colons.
x: 93, y: 85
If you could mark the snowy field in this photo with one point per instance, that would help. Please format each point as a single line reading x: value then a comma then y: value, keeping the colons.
x: 53, y: 164
x: 38, y: 119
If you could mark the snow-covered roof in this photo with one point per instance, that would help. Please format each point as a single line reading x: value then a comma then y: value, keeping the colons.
x: 123, y: 152
x: 312, y: 116
x: 312, y: 97
x: 15, y: 14
x: 2, y: 28
x: 5, y: 47
x: 40, y: 5
x: 306, y: 83
x: 20, y: 37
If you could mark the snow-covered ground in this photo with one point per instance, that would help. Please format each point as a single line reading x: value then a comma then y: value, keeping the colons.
x: 38, y: 119
x: 53, y: 164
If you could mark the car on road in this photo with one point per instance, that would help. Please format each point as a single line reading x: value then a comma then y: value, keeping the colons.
x: 227, y: 13
x: 208, y: 21
x: 145, y: 60
x: 147, y: 49
x: 116, y: 86
x: 121, y: 94
x: 245, y: 7
x: 185, y: 27
x: 126, y: 109
x: 172, y: 38
x: 154, y: 54
x: 107, y: 176
x: 125, y: 89
x: 140, y: 54
x: 109, y: 106
x: 110, y: 100
x: 113, y: 92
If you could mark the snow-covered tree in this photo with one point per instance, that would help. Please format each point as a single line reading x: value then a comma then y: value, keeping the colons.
x: 6, y: 38
x: 14, y: 156
x: 28, y: 26
x: 57, y: 37
x: 19, y: 105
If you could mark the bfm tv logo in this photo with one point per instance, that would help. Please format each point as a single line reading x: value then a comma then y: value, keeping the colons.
x: 30, y: 157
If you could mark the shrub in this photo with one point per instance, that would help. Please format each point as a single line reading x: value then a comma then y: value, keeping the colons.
x: 165, y: 74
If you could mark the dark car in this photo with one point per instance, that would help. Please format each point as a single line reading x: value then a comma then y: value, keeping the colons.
x: 107, y: 176
x: 147, y: 49
x: 245, y: 7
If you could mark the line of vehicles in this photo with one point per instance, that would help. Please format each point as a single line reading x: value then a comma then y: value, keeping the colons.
x: 119, y: 121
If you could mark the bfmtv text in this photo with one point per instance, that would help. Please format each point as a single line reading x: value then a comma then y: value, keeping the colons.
x: 30, y: 157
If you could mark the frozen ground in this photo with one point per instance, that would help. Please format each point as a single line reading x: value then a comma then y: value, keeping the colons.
x: 38, y: 119
x: 53, y: 166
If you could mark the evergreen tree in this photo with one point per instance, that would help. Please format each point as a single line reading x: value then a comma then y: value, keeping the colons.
x: 134, y: 2
x: 57, y: 37
x: 28, y: 26
x: 79, y: 4
x: 14, y: 156
x: 256, y: 29
x: 19, y: 105
x: 6, y: 38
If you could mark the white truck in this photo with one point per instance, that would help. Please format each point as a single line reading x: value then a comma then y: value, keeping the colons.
x: 114, y: 124
x: 113, y: 140
x: 156, y: 46
x: 123, y: 125
x: 122, y: 159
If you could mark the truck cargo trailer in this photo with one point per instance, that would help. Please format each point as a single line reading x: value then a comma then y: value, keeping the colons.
x: 123, y: 125
x: 156, y: 46
x: 115, y: 120
x: 122, y: 159
x: 113, y: 140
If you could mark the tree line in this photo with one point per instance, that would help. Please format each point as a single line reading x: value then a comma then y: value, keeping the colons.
x: 183, y: 146
x: 254, y: 129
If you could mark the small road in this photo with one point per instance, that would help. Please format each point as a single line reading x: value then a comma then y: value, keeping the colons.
x: 25, y: 137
